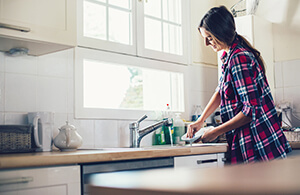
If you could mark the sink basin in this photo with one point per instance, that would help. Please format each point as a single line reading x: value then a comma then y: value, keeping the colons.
x: 184, y: 146
x: 126, y: 149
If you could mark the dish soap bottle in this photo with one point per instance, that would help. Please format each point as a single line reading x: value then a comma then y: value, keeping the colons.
x: 179, y: 129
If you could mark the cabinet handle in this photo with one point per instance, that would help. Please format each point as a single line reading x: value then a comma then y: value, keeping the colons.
x: 13, y: 27
x: 16, y: 180
x: 206, y: 161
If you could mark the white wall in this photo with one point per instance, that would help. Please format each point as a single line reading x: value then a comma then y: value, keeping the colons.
x: 285, y: 16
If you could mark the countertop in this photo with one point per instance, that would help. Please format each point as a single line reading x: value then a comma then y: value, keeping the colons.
x: 274, y: 177
x: 103, y: 155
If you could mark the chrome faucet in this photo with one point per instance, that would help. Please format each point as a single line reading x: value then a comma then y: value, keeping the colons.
x: 136, y: 135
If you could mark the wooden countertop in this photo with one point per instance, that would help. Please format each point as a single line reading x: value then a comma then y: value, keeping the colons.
x: 103, y: 155
x: 274, y: 177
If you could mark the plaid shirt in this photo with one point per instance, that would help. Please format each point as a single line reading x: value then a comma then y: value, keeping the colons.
x: 244, y: 88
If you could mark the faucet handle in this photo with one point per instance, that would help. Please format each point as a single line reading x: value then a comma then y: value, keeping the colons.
x: 135, y: 125
x: 168, y: 122
x: 142, y: 118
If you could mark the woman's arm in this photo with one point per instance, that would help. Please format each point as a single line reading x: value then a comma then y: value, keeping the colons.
x: 212, y: 105
x: 237, y: 121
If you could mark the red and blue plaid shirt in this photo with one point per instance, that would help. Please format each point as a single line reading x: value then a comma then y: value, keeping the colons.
x: 244, y: 88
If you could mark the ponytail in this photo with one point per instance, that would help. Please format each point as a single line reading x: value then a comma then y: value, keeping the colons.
x: 256, y: 53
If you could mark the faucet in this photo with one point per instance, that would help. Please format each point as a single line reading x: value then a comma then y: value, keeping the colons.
x: 136, y: 134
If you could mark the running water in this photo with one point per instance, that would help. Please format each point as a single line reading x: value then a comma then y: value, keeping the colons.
x: 171, y: 137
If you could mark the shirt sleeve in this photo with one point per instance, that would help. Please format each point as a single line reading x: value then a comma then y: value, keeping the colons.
x: 244, y: 75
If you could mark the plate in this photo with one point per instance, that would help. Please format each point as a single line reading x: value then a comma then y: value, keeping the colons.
x: 197, y: 135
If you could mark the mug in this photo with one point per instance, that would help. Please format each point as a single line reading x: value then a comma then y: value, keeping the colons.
x: 43, y: 123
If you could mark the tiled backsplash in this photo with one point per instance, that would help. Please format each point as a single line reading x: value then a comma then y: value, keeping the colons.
x: 287, y: 88
x: 45, y: 83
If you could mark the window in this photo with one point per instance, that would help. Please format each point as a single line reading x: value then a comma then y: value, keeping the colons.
x: 110, y: 21
x: 155, y: 29
x: 165, y: 17
x: 116, y: 86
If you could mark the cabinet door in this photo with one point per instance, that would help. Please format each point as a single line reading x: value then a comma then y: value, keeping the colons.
x: 55, y: 180
x: 53, y: 22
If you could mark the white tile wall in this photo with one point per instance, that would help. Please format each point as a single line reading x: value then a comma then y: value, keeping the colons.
x: 20, y: 92
x: 21, y: 64
x: 2, y: 63
x: 46, y: 83
x: 2, y: 92
x: 287, y: 88
x: 203, y: 82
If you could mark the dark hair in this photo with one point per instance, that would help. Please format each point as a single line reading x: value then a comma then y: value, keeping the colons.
x: 220, y: 23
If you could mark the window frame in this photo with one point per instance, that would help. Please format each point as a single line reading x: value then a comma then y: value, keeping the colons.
x: 81, y: 112
x: 142, y: 51
x: 104, y: 44
x: 137, y: 49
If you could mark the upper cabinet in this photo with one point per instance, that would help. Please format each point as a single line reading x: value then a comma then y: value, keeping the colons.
x: 42, y: 26
x: 200, y: 53
x: 154, y: 29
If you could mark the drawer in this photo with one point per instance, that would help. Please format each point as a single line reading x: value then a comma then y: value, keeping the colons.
x: 54, y: 179
x: 197, y: 161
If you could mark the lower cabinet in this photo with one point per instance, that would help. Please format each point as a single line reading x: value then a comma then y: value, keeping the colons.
x: 62, y: 180
x: 200, y: 161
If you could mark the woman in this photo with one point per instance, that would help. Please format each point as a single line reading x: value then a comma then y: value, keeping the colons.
x: 247, y: 109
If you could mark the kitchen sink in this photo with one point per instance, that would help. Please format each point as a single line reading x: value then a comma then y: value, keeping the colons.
x: 183, y: 146
x: 127, y: 149
x: 120, y: 149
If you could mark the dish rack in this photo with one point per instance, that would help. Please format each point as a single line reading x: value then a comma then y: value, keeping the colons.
x: 16, y: 138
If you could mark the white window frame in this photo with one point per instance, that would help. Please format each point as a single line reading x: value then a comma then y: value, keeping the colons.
x: 120, y: 114
x: 137, y: 49
x: 142, y: 51
x: 103, y: 44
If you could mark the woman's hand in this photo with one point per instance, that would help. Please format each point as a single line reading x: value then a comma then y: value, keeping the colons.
x: 193, y: 128
x: 209, y: 135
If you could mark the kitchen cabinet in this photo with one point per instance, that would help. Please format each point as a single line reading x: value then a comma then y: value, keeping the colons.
x: 200, y: 53
x: 61, y: 180
x: 153, y: 29
x: 41, y: 26
x: 199, y: 161
x: 258, y: 32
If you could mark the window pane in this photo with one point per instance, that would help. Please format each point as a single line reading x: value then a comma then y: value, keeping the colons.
x: 172, y: 39
x: 94, y: 20
x: 120, y: 26
x: 172, y: 11
x: 153, y: 36
x: 153, y: 8
x: 121, y: 3
x: 168, y: 38
x: 115, y: 86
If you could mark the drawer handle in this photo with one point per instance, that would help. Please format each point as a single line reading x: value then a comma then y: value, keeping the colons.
x: 206, y: 161
x: 16, y: 180
x: 14, y: 27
